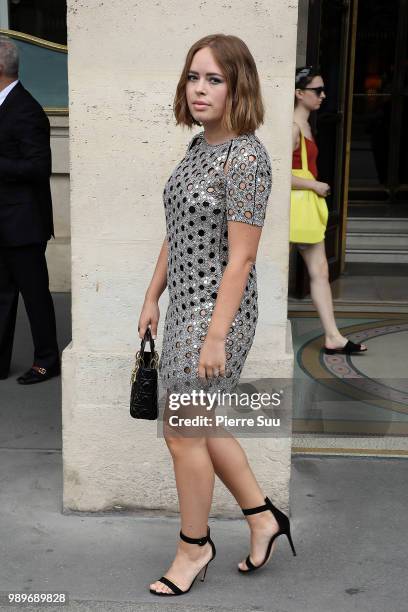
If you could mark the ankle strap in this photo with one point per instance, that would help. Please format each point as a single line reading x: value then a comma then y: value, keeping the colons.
x: 199, y: 541
x: 266, y: 506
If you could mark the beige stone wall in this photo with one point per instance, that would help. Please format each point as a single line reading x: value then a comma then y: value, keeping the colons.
x: 123, y: 146
x: 59, y: 250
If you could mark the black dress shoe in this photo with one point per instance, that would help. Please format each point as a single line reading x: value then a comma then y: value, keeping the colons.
x: 33, y: 376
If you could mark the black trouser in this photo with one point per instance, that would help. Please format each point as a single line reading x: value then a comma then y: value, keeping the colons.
x: 23, y: 269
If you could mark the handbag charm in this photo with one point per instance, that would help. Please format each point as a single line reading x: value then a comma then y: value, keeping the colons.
x: 144, y: 382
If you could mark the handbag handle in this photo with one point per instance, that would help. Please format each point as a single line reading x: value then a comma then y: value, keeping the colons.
x: 147, y: 338
x: 303, y: 149
x: 305, y: 165
x: 140, y: 355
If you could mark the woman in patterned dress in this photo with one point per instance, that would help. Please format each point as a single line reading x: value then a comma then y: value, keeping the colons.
x: 215, y: 203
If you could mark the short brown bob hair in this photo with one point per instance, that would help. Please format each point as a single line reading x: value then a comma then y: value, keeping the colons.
x: 244, y: 109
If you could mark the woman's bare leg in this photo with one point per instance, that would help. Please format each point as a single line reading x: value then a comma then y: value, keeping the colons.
x: 232, y: 468
x: 316, y: 262
x: 194, y: 475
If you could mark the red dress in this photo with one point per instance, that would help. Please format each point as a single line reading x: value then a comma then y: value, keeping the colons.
x: 312, y: 153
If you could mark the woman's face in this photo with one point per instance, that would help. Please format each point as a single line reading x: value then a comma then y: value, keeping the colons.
x: 310, y: 98
x: 206, y: 84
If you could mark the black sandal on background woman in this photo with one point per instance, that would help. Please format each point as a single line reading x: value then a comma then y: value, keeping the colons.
x: 349, y: 348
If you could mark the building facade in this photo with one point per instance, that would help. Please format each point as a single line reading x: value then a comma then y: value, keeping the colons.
x: 121, y: 141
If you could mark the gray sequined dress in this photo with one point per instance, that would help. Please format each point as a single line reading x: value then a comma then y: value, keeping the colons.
x: 199, y: 200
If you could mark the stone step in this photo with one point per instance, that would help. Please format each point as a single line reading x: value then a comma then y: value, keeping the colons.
x: 377, y: 225
x: 377, y: 240
x: 358, y: 305
x: 384, y: 241
x: 377, y: 255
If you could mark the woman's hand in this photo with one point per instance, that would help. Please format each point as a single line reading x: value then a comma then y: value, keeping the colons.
x: 150, y: 315
x: 322, y: 189
x: 212, y: 358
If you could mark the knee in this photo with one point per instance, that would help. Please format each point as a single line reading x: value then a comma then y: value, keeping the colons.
x: 319, y: 271
x: 180, y: 445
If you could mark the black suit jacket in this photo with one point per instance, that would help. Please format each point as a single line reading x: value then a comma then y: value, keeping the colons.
x: 25, y: 169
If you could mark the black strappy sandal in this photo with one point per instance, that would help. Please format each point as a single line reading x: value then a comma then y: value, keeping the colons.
x: 284, y: 528
x: 174, y: 587
x: 347, y: 349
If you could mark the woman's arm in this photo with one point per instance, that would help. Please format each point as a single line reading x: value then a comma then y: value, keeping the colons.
x: 150, y: 310
x: 302, y: 183
x: 159, y: 279
x: 243, y: 243
x: 243, y: 240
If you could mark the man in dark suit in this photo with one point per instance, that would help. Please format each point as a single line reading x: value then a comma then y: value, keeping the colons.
x: 26, y: 221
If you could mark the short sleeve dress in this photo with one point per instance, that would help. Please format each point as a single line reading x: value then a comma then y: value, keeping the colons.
x: 199, y: 200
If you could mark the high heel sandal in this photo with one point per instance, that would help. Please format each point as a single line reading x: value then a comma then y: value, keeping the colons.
x: 284, y: 528
x: 347, y: 349
x: 174, y: 587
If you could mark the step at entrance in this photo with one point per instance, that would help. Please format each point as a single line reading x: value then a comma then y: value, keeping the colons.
x: 377, y: 239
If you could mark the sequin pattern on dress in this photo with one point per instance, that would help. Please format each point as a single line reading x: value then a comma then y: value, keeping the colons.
x: 200, y: 199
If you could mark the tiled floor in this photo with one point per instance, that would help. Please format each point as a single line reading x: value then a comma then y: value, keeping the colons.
x: 367, y: 297
x: 374, y: 287
x: 347, y: 396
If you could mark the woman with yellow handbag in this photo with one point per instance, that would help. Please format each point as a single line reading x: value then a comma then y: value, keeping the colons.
x: 308, y: 210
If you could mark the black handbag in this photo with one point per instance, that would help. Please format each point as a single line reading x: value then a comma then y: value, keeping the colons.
x: 144, y: 393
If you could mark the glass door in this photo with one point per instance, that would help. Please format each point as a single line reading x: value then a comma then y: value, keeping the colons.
x: 378, y: 179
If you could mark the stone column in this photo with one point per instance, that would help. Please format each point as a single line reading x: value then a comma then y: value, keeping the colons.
x: 123, y: 68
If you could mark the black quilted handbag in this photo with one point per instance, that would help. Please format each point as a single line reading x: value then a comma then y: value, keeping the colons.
x: 143, y: 396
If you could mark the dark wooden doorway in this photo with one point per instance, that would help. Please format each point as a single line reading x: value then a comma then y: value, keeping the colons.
x: 378, y: 140
x: 329, y: 47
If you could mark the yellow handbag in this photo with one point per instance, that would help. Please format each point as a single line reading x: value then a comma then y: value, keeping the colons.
x: 308, y: 211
